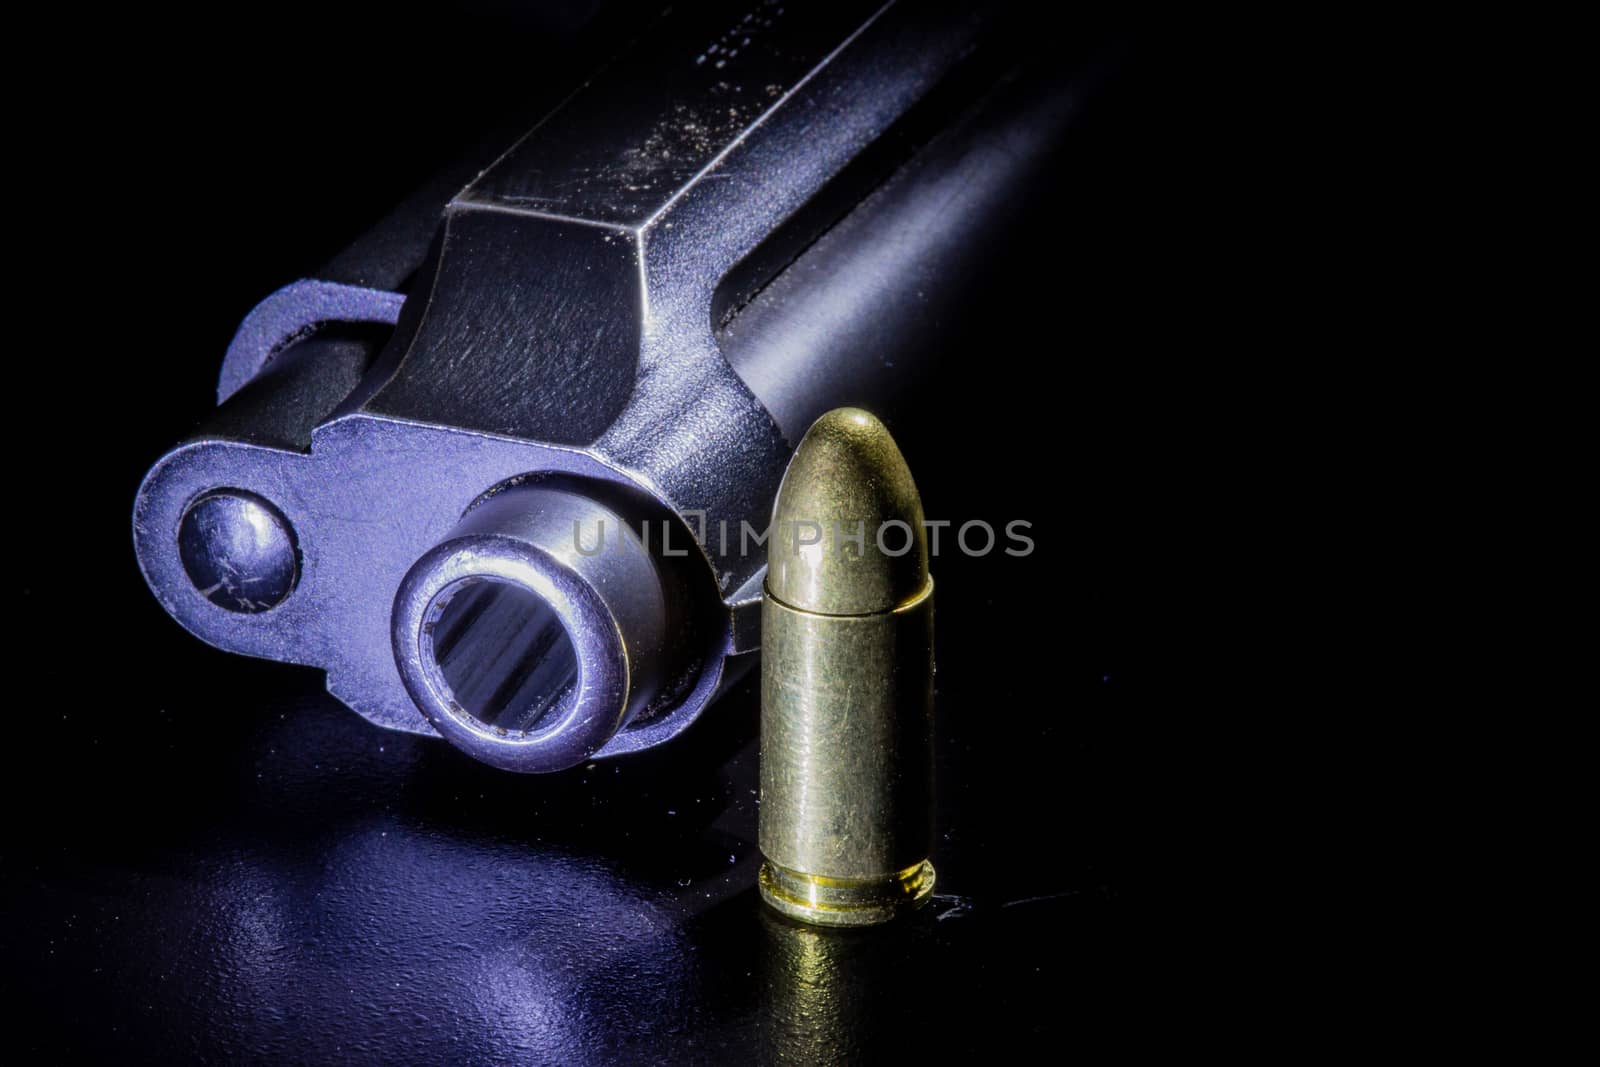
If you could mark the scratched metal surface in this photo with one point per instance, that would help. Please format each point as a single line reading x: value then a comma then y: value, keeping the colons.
x: 553, y: 333
x: 209, y: 859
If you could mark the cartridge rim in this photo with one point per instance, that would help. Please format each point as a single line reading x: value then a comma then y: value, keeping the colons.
x: 817, y: 899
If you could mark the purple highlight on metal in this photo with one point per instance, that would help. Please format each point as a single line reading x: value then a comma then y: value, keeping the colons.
x: 292, y: 313
x: 612, y: 306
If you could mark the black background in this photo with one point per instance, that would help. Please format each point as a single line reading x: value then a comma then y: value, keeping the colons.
x: 207, y: 857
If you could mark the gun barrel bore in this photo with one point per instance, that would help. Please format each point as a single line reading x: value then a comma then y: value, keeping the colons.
x: 847, y: 682
x: 520, y: 646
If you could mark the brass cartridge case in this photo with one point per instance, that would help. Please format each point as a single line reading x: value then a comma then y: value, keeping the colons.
x: 847, y: 682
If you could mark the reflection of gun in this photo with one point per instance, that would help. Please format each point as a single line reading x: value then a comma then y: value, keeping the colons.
x: 424, y: 459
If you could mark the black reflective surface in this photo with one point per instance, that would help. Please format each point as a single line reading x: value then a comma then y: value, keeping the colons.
x: 264, y: 875
x: 209, y: 859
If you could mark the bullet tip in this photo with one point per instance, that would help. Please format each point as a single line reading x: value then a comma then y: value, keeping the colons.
x: 847, y: 532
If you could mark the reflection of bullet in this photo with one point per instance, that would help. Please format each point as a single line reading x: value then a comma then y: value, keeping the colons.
x: 825, y: 994
x: 846, y: 682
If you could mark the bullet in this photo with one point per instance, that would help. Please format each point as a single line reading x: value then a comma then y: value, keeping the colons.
x: 847, y: 682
